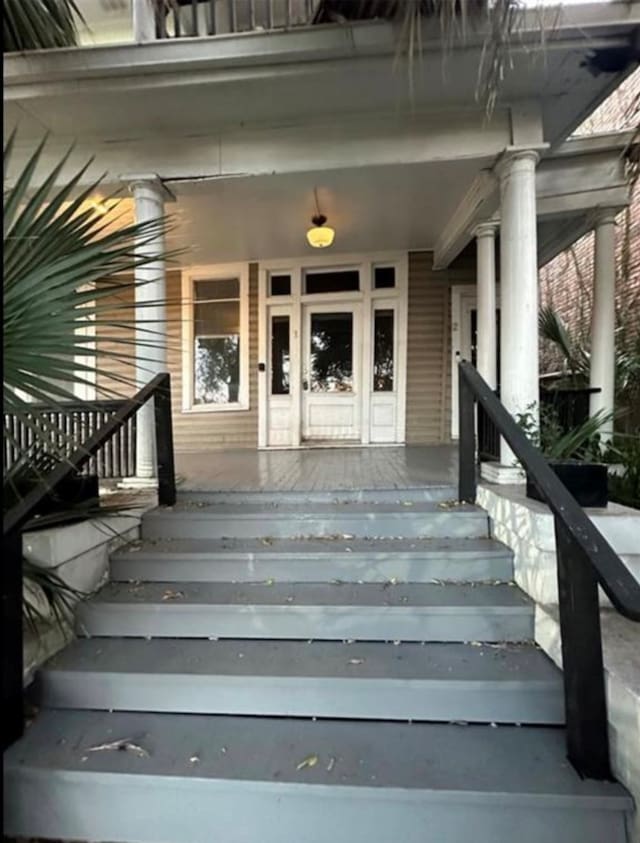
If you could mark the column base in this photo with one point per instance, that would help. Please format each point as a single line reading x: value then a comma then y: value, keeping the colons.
x: 138, y: 483
x: 495, y: 472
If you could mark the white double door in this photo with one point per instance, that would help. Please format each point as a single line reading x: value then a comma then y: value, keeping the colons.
x: 332, y: 377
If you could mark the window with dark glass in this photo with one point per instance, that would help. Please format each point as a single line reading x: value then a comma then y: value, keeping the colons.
x: 280, y: 285
x: 216, y: 336
x: 335, y: 281
x: 383, y: 341
x: 384, y: 277
x: 280, y: 361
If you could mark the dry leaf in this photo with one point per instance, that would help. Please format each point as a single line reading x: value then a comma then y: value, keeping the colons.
x: 309, y: 761
x: 195, y: 759
x: 123, y: 745
x: 331, y: 764
x: 356, y: 661
x: 172, y: 595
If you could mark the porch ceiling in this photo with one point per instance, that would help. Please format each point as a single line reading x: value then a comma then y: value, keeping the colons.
x: 265, y: 217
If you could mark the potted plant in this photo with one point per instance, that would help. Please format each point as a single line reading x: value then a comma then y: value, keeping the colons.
x: 577, y: 455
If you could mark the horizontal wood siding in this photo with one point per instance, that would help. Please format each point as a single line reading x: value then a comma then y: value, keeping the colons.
x: 429, y: 346
x: 198, y: 431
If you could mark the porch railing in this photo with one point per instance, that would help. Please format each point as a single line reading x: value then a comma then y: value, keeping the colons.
x: 585, y: 561
x: 192, y: 18
x: 18, y: 517
x: 74, y: 422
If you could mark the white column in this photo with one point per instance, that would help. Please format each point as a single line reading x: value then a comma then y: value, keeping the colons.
x: 519, y: 357
x: 486, y: 302
x: 151, y: 319
x: 144, y: 21
x: 603, y: 318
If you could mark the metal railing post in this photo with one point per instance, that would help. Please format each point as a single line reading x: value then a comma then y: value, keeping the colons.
x: 164, y: 444
x: 582, y: 661
x: 12, y: 658
x: 466, y: 448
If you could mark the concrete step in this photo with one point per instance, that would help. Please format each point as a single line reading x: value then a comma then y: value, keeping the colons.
x: 192, y: 520
x: 368, y: 611
x: 199, y: 778
x: 313, y: 560
x: 436, y: 493
x: 506, y: 683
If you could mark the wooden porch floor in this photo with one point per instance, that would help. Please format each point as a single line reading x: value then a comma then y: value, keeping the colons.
x: 329, y: 469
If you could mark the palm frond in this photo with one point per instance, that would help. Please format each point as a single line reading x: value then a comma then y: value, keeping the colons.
x: 39, y: 24
x: 64, y: 266
x: 553, y: 329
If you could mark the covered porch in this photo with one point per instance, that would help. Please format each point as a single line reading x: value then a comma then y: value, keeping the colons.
x: 318, y: 469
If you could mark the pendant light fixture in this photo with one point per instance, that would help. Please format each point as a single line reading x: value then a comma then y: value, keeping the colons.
x: 320, y: 235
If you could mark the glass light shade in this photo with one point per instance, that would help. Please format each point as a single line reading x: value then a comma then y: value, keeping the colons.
x: 320, y: 236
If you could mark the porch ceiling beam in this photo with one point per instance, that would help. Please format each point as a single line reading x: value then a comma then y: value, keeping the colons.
x: 581, y: 175
x: 479, y: 203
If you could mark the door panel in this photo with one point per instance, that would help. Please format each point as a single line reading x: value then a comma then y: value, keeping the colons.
x: 331, y: 372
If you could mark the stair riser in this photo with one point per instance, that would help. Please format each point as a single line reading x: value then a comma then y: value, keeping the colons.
x: 388, y: 699
x: 347, y: 567
x: 169, y: 809
x: 211, y: 526
x: 428, y: 494
x: 327, y: 623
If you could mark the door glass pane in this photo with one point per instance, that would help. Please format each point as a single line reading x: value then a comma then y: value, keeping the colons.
x: 279, y: 355
x: 280, y: 285
x: 384, y: 277
x: 331, y: 352
x: 383, y: 351
x: 336, y: 281
x: 217, y: 370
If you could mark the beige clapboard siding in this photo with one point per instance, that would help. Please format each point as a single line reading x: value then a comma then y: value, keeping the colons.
x: 429, y: 346
x: 428, y: 362
x: 200, y: 431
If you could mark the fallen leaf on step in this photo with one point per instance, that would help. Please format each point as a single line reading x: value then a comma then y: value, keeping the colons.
x: 172, y: 595
x: 123, y: 745
x: 356, y: 661
x: 270, y: 581
x: 476, y: 643
x: 267, y: 541
x: 195, y: 759
x: 331, y: 764
x: 309, y: 761
x: 347, y: 536
x: 407, y: 503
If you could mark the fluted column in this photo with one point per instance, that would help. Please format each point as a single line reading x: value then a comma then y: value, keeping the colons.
x: 486, y: 302
x: 519, y: 356
x: 603, y: 319
x: 151, y: 319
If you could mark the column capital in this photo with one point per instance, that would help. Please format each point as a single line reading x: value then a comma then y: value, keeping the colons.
x: 486, y: 229
x: 603, y: 216
x: 513, y: 154
x: 147, y: 181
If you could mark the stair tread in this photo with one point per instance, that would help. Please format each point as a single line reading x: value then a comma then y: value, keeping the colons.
x: 317, y: 659
x: 325, y: 595
x: 297, y: 549
x: 307, y: 510
x: 505, y: 762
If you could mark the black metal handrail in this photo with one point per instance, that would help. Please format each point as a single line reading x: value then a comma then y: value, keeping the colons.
x: 158, y: 389
x: 585, y: 560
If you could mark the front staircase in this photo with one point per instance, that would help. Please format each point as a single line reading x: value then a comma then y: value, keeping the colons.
x: 341, y: 668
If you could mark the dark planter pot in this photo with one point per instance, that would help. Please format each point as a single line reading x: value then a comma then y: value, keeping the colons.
x: 76, y: 489
x: 586, y: 481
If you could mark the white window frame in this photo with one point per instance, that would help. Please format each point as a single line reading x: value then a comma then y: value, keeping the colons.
x: 218, y: 272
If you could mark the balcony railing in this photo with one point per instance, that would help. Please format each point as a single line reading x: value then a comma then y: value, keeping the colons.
x: 192, y: 18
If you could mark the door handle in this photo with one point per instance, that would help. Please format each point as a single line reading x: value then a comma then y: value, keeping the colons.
x: 305, y: 385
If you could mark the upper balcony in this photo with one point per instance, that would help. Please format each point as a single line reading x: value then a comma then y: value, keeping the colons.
x: 126, y: 21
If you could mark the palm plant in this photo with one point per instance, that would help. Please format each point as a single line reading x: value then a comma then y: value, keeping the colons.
x: 39, y: 24
x: 64, y: 265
